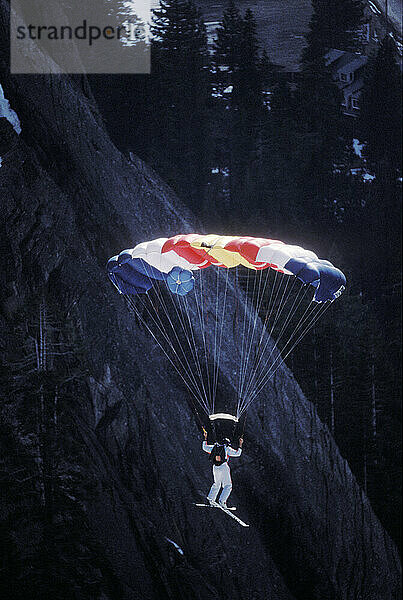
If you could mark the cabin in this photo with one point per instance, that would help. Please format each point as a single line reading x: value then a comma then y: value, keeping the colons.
x: 347, y: 69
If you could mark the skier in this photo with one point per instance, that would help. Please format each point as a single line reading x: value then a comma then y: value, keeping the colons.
x: 221, y: 470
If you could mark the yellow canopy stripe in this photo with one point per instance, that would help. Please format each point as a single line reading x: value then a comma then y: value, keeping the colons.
x: 215, y: 247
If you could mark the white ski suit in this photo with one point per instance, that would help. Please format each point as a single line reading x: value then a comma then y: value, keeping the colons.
x: 221, y: 473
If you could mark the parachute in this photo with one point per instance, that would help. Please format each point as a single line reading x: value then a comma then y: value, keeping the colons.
x: 190, y: 290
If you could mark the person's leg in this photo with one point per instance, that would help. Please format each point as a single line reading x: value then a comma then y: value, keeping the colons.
x: 215, y: 488
x: 226, y: 483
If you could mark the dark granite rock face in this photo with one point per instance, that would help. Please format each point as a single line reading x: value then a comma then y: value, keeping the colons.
x: 69, y: 201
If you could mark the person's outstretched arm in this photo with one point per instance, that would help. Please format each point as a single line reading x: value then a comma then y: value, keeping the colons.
x: 205, y: 446
x: 235, y: 453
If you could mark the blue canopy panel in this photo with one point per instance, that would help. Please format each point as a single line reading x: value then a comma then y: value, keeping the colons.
x: 332, y: 282
x: 180, y: 281
x: 320, y: 274
x: 133, y: 276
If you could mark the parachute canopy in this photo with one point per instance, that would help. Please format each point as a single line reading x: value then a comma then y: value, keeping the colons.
x: 196, y: 294
x: 173, y: 260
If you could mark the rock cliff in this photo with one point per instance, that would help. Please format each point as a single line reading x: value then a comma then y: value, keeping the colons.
x: 70, y: 200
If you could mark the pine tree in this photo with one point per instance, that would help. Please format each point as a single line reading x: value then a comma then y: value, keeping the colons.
x: 272, y: 144
x: 322, y: 148
x: 280, y: 161
x: 247, y: 95
x: 380, y: 128
x: 179, y: 93
x: 228, y: 43
x: 244, y: 119
x: 380, y: 122
x: 324, y: 142
x: 333, y: 25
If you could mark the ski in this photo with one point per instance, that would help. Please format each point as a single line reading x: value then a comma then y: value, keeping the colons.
x: 212, y: 506
x: 227, y: 511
